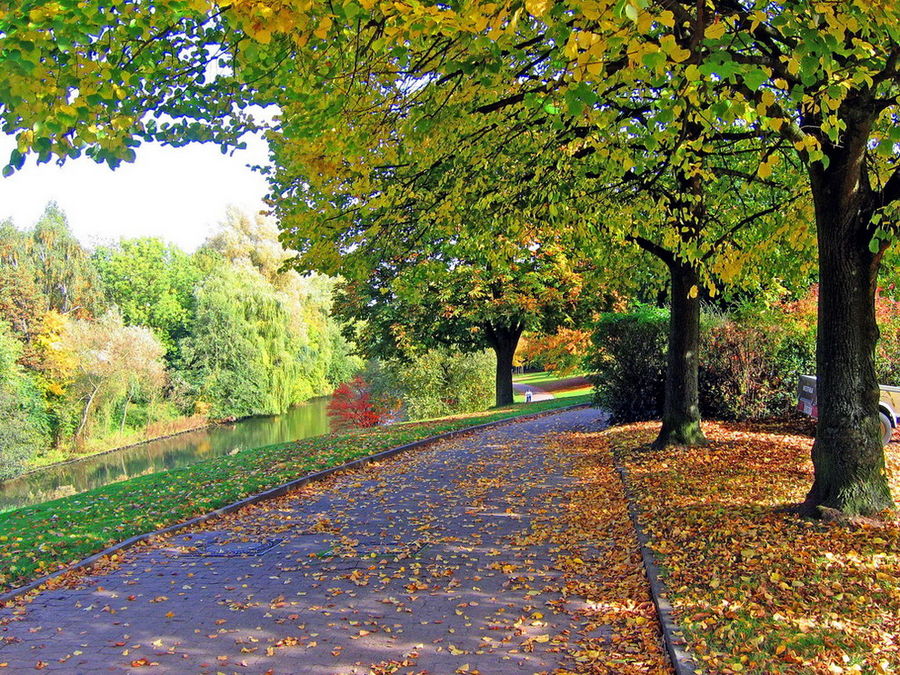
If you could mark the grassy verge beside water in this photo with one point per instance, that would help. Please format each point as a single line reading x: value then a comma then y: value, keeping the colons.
x: 36, y: 540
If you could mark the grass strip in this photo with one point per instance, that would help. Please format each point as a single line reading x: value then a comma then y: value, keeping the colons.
x: 755, y: 587
x: 39, y: 539
x: 544, y: 377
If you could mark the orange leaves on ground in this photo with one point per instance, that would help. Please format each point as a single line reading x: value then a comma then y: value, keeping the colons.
x: 755, y: 587
x: 601, y: 561
x: 143, y: 663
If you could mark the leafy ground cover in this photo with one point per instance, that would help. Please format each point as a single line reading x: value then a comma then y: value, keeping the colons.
x: 39, y: 539
x: 755, y: 587
x: 601, y: 564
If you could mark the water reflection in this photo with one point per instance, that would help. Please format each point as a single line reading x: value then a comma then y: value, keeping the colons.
x: 305, y: 420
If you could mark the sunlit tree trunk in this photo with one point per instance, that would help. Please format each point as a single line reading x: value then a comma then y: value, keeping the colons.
x: 681, y: 406
x: 681, y: 402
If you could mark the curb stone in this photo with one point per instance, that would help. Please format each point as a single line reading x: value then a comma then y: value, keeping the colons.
x: 271, y: 493
x: 676, y: 646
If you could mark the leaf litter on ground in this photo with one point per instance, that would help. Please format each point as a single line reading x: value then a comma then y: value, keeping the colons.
x: 755, y: 587
x: 569, y: 582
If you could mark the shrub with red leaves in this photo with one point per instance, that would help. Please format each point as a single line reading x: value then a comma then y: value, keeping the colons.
x: 351, y: 406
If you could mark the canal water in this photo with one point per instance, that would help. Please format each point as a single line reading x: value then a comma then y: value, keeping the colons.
x: 302, y: 421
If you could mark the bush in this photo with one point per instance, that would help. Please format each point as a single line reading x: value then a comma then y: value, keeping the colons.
x: 749, y: 366
x: 351, y: 406
x: 431, y: 384
x: 887, y: 353
x: 445, y: 382
x: 750, y: 370
x: 628, y: 363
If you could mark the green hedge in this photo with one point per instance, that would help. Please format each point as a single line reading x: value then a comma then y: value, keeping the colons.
x: 629, y: 363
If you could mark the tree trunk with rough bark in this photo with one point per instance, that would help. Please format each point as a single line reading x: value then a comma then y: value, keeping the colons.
x: 681, y: 405
x: 503, y: 340
x: 847, y: 454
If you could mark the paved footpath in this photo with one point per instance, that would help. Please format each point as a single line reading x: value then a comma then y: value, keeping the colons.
x: 427, y: 563
x: 537, y: 394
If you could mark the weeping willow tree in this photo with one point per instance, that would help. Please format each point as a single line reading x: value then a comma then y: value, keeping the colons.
x: 242, y: 358
x: 263, y: 336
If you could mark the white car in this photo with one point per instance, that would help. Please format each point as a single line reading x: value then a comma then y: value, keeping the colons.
x: 888, y: 405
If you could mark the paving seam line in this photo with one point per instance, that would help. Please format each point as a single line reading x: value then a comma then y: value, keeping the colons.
x: 271, y: 493
x: 676, y: 646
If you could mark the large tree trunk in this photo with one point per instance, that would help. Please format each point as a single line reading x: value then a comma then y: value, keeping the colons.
x: 681, y: 406
x: 847, y: 454
x: 504, y: 340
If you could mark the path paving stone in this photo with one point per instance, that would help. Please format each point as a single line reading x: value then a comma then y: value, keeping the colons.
x: 428, y: 560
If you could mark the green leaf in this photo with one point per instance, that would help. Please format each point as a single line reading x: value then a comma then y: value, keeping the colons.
x: 654, y: 60
x: 885, y: 148
x: 631, y: 12
x: 755, y: 78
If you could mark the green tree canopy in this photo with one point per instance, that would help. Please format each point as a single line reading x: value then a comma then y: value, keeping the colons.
x: 471, y: 296
x: 152, y: 285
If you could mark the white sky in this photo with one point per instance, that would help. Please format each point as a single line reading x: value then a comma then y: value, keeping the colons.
x: 177, y: 194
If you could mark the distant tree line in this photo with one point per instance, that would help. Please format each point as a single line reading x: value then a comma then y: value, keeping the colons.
x: 106, y: 346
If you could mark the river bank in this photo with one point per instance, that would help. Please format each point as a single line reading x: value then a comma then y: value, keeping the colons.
x: 170, y: 452
x: 39, y: 465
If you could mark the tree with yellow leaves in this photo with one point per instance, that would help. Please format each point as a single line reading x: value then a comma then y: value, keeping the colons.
x: 98, y: 79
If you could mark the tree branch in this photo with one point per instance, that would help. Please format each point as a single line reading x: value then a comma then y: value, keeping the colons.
x: 653, y: 248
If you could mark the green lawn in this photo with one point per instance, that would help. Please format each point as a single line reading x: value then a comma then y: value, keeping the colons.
x: 39, y: 539
x: 574, y: 393
x: 538, y: 378
x: 543, y: 378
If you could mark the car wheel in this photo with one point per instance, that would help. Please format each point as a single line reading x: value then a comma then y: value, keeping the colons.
x: 886, y: 428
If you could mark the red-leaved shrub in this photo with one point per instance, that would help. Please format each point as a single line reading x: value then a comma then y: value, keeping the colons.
x: 351, y: 406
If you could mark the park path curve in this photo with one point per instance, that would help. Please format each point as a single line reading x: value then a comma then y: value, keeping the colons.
x: 537, y: 394
x: 436, y: 561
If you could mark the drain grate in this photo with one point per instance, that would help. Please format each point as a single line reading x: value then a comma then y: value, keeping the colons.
x: 237, y: 548
x: 219, y: 545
